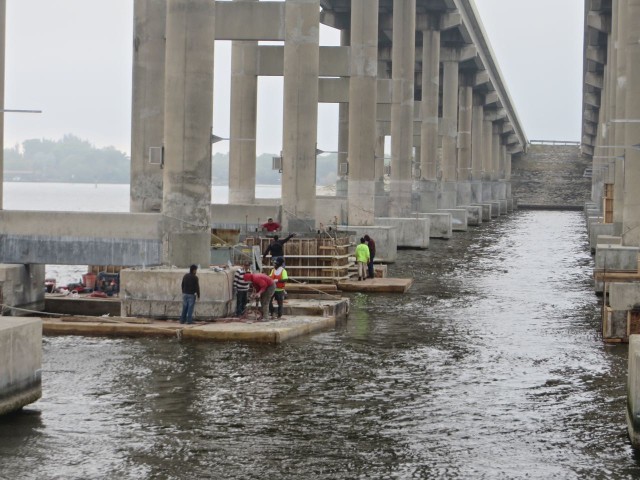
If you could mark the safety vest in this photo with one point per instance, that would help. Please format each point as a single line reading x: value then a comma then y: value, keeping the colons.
x: 279, y: 278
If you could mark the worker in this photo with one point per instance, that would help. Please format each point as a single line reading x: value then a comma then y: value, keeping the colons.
x: 264, y: 288
x: 271, y: 226
x: 280, y: 276
x: 362, y: 258
x: 276, y: 247
x: 372, y: 254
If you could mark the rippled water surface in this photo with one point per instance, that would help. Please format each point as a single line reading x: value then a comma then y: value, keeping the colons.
x: 490, y: 367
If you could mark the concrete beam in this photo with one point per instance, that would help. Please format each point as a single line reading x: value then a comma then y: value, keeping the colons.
x: 495, y: 114
x: 491, y: 98
x: 334, y: 61
x: 250, y: 21
x: 480, y: 78
x: 450, y: 20
x: 599, y: 22
x: 596, y: 54
x: 592, y: 99
x: 75, y: 238
x: 594, y: 79
x: 336, y: 90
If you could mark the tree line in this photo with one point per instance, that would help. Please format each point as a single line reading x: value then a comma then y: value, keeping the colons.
x: 73, y: 160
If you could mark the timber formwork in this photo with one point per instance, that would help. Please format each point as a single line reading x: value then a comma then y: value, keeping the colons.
x: 319, y: 259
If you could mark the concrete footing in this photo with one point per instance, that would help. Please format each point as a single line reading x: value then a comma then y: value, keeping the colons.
x: 495, y: 209
x: 599, y: 229
x: 486, y: 211
x: 20, y: 362
x: 156, y: 293
x: 611, y: 258
x: 440, y: 224
x: 410, y: 232
x: 474, y: 215
x: 459, y: 222
x: 385, y: 237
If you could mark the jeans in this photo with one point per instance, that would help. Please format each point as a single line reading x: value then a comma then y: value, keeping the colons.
x: 241, y: 301
x: 188, y: 305
x: 370, y: 267
x: 279, y: 297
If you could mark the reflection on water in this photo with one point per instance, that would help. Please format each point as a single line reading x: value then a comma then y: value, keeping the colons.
x: 490, y: 367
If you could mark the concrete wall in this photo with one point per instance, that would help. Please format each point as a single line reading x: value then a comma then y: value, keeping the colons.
x: 156, y: 293
x: 75, y: 238
x: 245, y: 217
x: 20, y: 362
x: 21, y: 286
x: 551, y: 175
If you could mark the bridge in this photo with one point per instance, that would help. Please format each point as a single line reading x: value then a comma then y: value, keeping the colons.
x: 421, y: 72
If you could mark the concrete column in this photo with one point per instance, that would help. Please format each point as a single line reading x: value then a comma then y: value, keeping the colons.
x: 403, y: 73
x: 502, y: 162
x: 477, y: 148
x: 495, y: 153
x: 449, y: 130
x: 342, y: 182
x: 449, y: 120
x: 631, y: 212
x: 465, y: 110
x: 3, y: 22
x: 429, y: 103
x: 300, y: 129
x: 362, y: 110
x: 243, y: 126
x: 620, y: 9
x: 186, y: 201
x: 487, y: 163
x: 379, y: 164
x: 147, y: 98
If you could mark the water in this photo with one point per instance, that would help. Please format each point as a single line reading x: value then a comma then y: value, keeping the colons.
x: 491, y: 367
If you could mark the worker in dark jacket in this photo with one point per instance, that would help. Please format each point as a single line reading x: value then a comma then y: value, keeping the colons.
x: 276, y: 247
x: 372, y: 253
x: 190, y: 289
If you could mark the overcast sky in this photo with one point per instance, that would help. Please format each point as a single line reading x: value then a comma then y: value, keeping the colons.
x: 72, y: 59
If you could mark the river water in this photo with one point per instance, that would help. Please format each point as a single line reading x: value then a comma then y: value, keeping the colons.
x: 490, y: 367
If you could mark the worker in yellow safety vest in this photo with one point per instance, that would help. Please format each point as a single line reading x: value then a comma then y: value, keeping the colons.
x: 280, y: 276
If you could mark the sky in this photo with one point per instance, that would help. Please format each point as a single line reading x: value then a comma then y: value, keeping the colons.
x: 72, y: 60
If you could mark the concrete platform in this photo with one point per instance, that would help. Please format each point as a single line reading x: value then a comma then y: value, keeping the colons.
x: 300, y: 317
x: 410, y: 232
x: 271, y: 331
x: 20, y: 362
x: 376, y: 285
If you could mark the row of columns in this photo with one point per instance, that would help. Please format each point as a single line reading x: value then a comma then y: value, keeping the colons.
x: 172, y: 108
x: 616, y: 159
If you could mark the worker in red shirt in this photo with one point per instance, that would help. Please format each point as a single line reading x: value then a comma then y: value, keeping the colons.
x: 271, y: 226
x: 264, y: 288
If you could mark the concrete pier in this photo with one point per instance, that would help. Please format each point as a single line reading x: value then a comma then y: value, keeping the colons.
x: 20, y: 362
x: 147, y: 112
x: 243, y: 125
x: 362, y: 111
x: 300, y: 127
x: 403, y: 67
x: 186, y: 201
